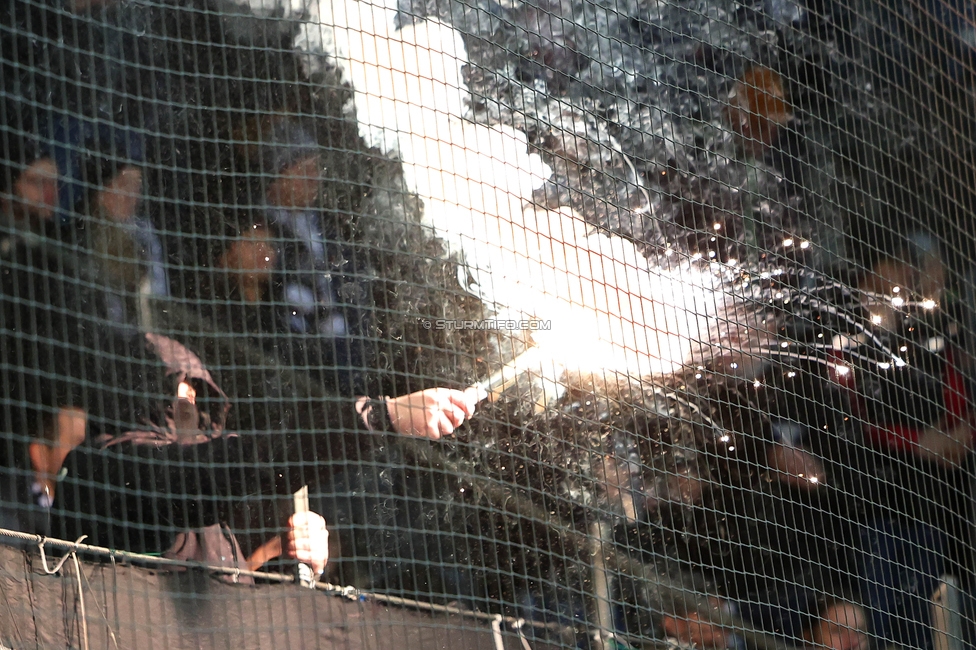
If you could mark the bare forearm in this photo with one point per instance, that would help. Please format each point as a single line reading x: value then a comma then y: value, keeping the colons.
x: 947, y: 447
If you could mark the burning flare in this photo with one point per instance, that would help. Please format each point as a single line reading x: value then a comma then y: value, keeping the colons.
x: 607, y: 307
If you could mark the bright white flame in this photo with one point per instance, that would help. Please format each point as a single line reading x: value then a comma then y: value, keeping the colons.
x: 876, y: 319
x: 606, y: 306
x: 897, y: 301
x: 928, y: 304
x: 187, y: 392
x: 842, y: 370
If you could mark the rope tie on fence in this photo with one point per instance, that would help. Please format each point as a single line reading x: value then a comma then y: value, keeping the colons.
x: 518, y: 628
x: 73, y: 554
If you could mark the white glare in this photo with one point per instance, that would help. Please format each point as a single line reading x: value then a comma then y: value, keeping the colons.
x: 607, y: 306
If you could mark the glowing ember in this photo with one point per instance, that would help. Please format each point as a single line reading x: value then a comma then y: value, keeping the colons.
x: 187, y: 392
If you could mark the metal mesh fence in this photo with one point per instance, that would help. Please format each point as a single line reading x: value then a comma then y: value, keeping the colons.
x: 630, y: 324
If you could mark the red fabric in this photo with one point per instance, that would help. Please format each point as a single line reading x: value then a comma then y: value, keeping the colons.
x: 893, y: 436
x: 901, y: 437
x: 956, y: 398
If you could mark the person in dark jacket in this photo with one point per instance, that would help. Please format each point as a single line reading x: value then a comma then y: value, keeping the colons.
x: 306, y: 287
x: 918, y: 418
x: 123, y: 405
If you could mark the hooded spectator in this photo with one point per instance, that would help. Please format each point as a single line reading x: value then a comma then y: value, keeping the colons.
x: 294, y: 264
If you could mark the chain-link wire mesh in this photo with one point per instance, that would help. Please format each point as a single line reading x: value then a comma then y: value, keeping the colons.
x: 630, y: 324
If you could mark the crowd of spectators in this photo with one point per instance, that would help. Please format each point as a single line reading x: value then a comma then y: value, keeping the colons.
x: 94, y: 387
x: 118, y: 209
